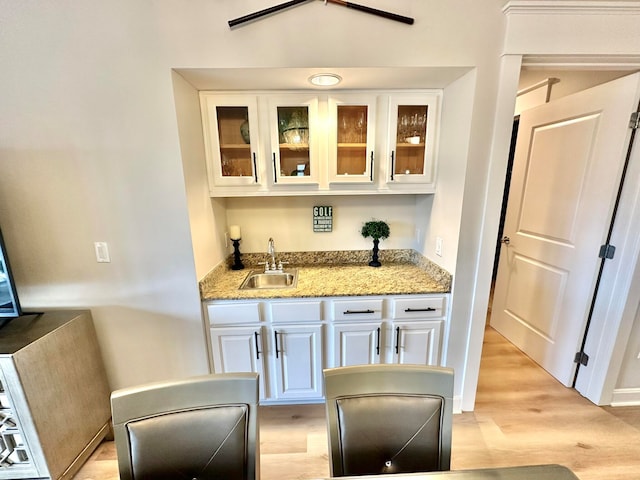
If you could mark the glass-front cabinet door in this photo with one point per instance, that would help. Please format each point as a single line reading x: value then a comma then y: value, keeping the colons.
x: 351, y: 138
x: 293, y: 122
x: 231, y: 139
x: 412, y: 137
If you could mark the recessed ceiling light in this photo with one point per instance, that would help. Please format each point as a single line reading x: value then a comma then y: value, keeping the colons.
x: 325, y: 79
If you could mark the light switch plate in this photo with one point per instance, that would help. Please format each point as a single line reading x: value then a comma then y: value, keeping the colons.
x: 102, y: 252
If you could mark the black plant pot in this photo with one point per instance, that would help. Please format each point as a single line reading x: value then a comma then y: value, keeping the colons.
x: 374, y: 261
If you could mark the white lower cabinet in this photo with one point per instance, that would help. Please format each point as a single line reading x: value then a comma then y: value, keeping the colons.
x: 297, y: 357
x: 357, y: 343
x: 417, y: 329
x: 417, y: 343
x: 239, y: 349
x: 289, y: 342
x: 408, y: 330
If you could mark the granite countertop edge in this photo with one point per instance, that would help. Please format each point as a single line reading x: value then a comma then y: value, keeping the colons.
x: 332, y: 274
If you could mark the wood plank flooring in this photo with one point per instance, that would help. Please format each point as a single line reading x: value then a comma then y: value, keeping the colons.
x: 523, y: 416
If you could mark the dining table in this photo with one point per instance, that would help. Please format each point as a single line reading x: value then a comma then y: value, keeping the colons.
x: 528, y: 472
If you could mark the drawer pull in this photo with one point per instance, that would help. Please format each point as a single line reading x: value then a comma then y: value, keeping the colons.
x: 355, y: 312
x: 428, y: 309
x: 258, y: 352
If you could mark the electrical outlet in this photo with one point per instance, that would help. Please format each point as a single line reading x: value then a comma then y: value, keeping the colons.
x: 439, y: 246
x: 226, y: 239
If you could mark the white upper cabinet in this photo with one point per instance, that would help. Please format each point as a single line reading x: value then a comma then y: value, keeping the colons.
x: 232, y: 140
x: 293, y: 127
x: 413, y: 125
x: 310, y: 143
x: 351, y: 126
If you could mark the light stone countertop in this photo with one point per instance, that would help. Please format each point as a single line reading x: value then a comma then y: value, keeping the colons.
x: 398, y: 275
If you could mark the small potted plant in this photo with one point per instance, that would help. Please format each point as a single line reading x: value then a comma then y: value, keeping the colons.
x: 377, y: 230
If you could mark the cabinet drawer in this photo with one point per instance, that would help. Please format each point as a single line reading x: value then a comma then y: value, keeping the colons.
x: 287, y: 312
x: 357, y: 309
x: 422, y: 307
x: 224, y: 314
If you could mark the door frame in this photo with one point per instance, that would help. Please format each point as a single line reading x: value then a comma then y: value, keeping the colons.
x: 596, y: 381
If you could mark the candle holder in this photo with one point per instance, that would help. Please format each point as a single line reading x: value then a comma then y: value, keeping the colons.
x: 237, y: 263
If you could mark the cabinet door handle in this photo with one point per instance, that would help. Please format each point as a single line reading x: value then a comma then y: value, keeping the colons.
x: 275, y: 336
x: 255, y: 167
x: 397, y: 339
x: 355, y: 312
x: 393, y: 166
x: 371, y: 172
x: 428, y: 309
x: 275, y: 170
x: 378, y: 342
x: 258, y: 352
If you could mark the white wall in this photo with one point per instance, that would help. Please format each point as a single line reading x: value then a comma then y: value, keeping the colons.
x: 208, y: 249
x: 90, y: 149
x: 289, y: 221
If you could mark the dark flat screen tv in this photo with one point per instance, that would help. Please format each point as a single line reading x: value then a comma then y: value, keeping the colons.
x: 9, y: 303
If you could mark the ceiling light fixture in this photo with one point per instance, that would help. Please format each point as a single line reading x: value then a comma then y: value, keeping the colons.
x: 325, y: 79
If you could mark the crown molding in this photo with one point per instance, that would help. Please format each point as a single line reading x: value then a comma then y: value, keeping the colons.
x: 571, y: 7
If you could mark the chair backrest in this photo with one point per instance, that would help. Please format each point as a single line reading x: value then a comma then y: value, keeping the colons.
x: 388, y: 418
x: 201, y: 428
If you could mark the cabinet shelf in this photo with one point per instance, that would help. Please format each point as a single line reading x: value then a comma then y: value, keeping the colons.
x: 352, y: 145
x: 294, y: 146
x: 411, y: 145
x: 235, y: 146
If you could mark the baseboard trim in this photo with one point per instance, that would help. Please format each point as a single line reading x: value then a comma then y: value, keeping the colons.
x: 625, y: 397
x: 457, y: 404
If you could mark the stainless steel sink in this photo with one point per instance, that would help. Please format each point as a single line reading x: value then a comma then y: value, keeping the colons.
x: 258, y: 279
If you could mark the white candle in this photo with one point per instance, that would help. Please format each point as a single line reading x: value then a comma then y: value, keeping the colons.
x: 234, y: 232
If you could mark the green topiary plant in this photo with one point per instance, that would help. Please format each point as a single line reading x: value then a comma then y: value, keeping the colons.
x: 376, y: 229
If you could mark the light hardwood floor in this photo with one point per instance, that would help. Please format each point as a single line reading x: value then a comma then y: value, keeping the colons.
x: 522, y: 416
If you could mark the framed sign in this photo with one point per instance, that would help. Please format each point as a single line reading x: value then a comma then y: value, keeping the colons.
x: 323, y: 219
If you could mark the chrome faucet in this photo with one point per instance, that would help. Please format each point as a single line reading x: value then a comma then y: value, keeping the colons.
x: 271, y: 250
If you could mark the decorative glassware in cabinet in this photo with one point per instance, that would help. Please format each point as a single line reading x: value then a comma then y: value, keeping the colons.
x: 351, y: 128
x: 293, y: 130
x: 410, y: 139
x: 414, y: 120
x: 231, y: 133
x: 352, y: 140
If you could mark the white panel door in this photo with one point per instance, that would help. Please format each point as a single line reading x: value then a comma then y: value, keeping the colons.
x: 297, y: 352
x: 417, y: 343
x: 567, y: 166
x: 239, y: 349
x: 357, y: 344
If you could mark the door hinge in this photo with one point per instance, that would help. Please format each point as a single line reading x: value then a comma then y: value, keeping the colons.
x: 581, y: 358
x: 607, y: 251
x: 634, y: 122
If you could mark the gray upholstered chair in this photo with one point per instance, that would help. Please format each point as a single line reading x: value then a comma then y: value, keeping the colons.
x: 201, y: 428
x: 385, y: 419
